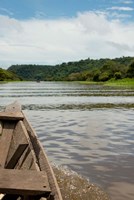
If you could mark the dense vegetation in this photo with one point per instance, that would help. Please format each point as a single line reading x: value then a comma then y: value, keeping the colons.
x: 8, y: 76
x: 83, y: 70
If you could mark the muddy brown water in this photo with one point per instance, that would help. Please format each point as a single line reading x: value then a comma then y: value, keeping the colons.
x: 87, y: 129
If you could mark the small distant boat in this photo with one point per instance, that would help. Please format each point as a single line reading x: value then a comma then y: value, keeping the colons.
x: 25, y: 172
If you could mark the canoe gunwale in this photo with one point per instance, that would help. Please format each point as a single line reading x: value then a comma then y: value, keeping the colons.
x: 43, y: 160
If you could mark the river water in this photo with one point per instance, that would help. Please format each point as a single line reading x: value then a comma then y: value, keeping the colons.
x: 87, y: 128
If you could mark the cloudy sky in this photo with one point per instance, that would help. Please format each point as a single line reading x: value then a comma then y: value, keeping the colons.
x: 56, y: 31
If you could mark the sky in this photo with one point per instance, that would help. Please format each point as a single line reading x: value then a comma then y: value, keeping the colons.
x: 55, y: 31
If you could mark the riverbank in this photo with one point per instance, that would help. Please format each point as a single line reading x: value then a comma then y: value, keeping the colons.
x: 126, y: 82
x: 129, y: 82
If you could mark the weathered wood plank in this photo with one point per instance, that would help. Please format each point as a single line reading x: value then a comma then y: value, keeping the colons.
x: 5, y: 141
x: 32, y: 157
x: 11, y: 116
x: 17, y: 139
x: 24, y: 182
x: 16, y: 156
x: 26, y: 160
x: 24, y: 131
x: 14, y: 107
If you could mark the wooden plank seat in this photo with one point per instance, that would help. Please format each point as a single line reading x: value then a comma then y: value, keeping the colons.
x: 24, y: 182
x: 11, y: 116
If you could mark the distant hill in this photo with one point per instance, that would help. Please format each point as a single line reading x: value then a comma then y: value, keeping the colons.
x: 8, y: 76
x: 88, y: 69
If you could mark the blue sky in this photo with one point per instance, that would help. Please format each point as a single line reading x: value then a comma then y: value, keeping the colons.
x: 51, y: 9
x: 56, y: 31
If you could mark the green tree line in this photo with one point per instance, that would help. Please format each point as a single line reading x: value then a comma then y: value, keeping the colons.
x: 83, y: 70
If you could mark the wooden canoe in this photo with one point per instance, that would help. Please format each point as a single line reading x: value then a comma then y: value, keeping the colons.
x: 25, y: 172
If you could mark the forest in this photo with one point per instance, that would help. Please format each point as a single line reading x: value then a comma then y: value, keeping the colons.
x: 6, y: 75
x: 99, y: 70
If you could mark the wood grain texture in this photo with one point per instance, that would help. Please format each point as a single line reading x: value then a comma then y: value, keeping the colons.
x: 11, y: 116
x: 28, y: 174
x: 5, y: 141
x: 26, y: 159
x: 13, y: 107
x: 23, y: 182
x: 16, y: 156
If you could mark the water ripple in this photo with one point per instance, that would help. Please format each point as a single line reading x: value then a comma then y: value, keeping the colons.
x: 89, y: 129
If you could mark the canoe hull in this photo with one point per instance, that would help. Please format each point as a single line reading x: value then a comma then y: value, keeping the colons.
x: 20, y: 149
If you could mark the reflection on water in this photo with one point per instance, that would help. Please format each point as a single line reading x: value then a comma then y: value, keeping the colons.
x: 99, y: 144
x: 89, y: 129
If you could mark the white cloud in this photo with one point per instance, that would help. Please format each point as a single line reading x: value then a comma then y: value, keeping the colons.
x: 54, y: 41
x: 121, y: 8
x: 127, y: 2
x: 121, y: 16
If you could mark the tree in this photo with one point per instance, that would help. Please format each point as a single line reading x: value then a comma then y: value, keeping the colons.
x: 75, y: 77
x: 117, y: 75
x: 130, y: 72
x: 105, y: 76
x: 96, y: 75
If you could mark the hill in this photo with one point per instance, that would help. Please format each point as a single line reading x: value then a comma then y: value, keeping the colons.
x: 88, y: 69
x: 6, y: 75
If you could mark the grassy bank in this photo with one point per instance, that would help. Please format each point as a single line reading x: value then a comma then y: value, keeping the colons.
x: 127, y: 82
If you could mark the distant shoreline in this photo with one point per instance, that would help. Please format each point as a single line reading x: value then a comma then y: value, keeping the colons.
x: 126, y: 82
x: 129, y: 82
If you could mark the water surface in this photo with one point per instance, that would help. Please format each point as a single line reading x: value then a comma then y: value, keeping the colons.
x: 89, y: 129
